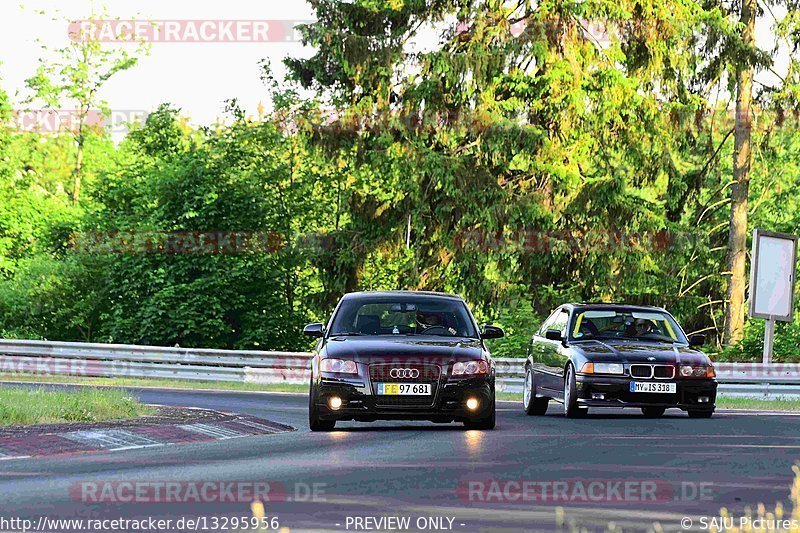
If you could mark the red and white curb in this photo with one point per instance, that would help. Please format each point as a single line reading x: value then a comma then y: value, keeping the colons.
x: 135, y: 437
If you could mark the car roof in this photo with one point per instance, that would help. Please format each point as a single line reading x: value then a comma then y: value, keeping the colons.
x: 400, y: 294
x: 612, y: 305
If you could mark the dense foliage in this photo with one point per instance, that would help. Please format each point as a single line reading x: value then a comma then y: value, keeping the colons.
x: 524, y: 161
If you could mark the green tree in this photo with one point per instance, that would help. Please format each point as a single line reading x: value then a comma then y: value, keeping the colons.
x: 544, y: 130
x: 171, y: 189
x: 74, y: 75
x: 731, y: 61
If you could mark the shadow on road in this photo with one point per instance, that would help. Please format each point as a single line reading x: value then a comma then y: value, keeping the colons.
x: 369, y: 428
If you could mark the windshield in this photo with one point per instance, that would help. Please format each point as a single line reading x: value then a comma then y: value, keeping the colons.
x: 626, y: 324
x: 444, y: 317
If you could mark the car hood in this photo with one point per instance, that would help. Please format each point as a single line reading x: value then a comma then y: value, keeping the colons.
x: 417, y: 349
x: 640, y: 352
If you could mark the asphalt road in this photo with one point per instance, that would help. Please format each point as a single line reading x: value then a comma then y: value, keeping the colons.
x: 611, y: 467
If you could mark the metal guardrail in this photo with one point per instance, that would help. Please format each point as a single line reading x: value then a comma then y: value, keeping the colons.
x: 764, y: 391
x: 736, y: 380
x: 753, y: 380
x: 135, y: 361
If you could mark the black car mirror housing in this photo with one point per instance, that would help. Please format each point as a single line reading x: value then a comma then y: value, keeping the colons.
x: 697, y: 339
x: 553, y: 335
x: 313, y: 330
x: 492, y: 332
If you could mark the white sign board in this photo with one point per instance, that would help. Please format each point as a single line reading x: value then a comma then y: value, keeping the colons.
x: 772, y: 275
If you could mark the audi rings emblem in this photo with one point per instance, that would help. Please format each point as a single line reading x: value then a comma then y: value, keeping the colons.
x: 404, y: 373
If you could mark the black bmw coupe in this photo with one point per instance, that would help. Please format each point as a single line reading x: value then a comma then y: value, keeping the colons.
x: 613, y: 355
x: 402, y: 355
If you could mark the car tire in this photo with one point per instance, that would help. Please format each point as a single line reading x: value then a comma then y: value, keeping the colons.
x: 532, y: 404
x: 314, y: 423
x: 484, y: 423
x: 571, y: 409
x: 701, y: 413
x: 653, y: 412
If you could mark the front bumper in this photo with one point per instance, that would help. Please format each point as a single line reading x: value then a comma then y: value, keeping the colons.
x: 690, y: 393
x: 448, y: 402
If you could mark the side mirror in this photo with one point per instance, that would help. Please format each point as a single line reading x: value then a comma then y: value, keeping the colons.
x: 313, y: 330
x: 492, y: 332
x: 553, y: 335
x: 697, y: 339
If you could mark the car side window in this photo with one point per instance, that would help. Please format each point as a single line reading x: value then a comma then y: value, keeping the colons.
x: 545, y: 324
x: 548, y: 322
x: 560, y: 323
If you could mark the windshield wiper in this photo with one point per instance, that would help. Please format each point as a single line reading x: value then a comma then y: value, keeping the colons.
x: 349, y: 334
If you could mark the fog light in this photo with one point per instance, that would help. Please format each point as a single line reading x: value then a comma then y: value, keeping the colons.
x: 598, y: 396
x: 335, y: 402
x: 702, y: 399
x: 472, y: 404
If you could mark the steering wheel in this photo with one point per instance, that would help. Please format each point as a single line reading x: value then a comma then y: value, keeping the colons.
x: 446, y: 330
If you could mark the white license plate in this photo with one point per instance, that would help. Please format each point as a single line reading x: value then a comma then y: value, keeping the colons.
x: 404, y: 389
x: 663, y: 388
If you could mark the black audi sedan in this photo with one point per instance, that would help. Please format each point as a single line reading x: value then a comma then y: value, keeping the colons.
x: 614, y: 355
x: 402, y: 355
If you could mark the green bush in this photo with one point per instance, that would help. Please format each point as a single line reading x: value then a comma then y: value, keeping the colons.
x: 750, y: 349
x: 519, y: 320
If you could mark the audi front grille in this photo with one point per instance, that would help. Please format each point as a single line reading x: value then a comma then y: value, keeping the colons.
x: 384, y: 372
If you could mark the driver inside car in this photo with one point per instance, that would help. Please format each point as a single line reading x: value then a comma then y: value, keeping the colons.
x: 427, y: 321
x: 642, y: 327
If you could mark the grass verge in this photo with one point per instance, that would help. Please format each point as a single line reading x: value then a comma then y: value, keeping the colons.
x: 508, y: 396
x: 168, y: 383
x: 722, y: 403
x: 758, y: 405
x: 41, y: 406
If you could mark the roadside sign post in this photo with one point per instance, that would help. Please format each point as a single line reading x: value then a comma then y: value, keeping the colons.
x: 772, y: 276
x: 769, y: 338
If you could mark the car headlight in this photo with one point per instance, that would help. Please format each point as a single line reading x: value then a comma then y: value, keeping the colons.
x: 697, y: 371
x: 608, y: 368
x: 338, y: 365
x: 470, y: 367
x: 602, y: 368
